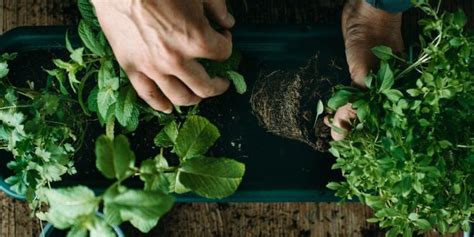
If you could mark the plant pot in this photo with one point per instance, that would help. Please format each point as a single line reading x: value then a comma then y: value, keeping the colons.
x: 50, y: 231
x: 278, y: 169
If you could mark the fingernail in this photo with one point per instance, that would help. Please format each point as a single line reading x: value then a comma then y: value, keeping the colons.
x: 168, y: 111
x: 230, y: 19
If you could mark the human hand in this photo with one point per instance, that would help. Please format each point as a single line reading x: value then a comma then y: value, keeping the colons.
x: 157, y: 42
x: 364, y: 27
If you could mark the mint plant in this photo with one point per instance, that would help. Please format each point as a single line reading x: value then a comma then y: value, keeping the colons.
x: 44, y: 128
x: 410, y: 155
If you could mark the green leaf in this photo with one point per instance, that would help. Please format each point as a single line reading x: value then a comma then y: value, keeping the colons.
x: 142, y: 208
x: 195, y: 137
x: 414, y: 92
x: 382, y: 52
x: 92, y: 100
x: 333, y: 185
x: 150, y: 175
x: 77, y: 55
x: 340, y: 99
x: 67, y: 205
x: 319, y: 109
x: 3, y: 69
x: 386, y: 77
x: 63, y: 65
x: 238, y: 80
x: 125, y: 105
x: 68, y: 43
x: 167, y: 136
x: 89, y: 39
x: 423, y: 224
x: 368, y: 81
x: 460, y: 19
x: 77, y: 231
x: 104, y: 151
x: 319, y: 112
x: 211, y: 177
x: 105, y: 100
x: 87, y: 12
x: 393, y: 95
x: 99, y: 228
x: 114, y: 158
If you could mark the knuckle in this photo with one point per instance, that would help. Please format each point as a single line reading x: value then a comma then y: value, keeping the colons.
x: 201, y: 44
x: 147, y: 94
x: 172, y: 59
x: 207, y: 91
x: 184, y: 100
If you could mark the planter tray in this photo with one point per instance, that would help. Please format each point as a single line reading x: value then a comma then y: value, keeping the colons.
x: 278, y: 170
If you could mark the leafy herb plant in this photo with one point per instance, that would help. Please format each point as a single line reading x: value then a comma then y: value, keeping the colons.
x: 37, y: 129
x: 410, y: 155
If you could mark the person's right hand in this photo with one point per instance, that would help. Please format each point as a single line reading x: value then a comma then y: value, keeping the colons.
x: 157, y: 42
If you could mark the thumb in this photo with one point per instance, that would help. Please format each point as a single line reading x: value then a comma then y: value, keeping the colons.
x: 217, y: 9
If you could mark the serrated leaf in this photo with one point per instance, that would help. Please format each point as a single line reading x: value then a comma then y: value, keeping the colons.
x: 114, y: 158
x: 69, y: 204
x: 89, y: 39
x: 195, y: 137
x: 105, y: 99
x: 238, y: 80
x: 92, y: 100
x: 167, y: 136
x: 87, y: 12
x: 132, y: 123
x: 211, y: 177
x: 125, y: 105
x: 142, y: 208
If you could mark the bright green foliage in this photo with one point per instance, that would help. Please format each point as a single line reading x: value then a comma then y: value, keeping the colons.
x: 195, y: 137
x: 43, y: 128
x: 35, y: 129
x: 410, y: 153
x: 210, y: 177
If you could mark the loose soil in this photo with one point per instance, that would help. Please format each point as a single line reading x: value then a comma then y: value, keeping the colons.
x: 273, y: 163
x: 285, y: 103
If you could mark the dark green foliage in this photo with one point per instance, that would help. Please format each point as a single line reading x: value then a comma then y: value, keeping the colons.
x: 410, y: 153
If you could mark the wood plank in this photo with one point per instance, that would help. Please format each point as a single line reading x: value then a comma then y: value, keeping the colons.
x: 213, y: 219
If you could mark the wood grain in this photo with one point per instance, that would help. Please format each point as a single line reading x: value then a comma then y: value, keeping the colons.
x: 202, y: 219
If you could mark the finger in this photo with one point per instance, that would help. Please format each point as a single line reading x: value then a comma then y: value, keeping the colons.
x: 217, y: 9
x: 212, y: 45
x: 175, y: 90
x: 326, y: 121
x: 195, y: 77
x: 342, y: 122
x: 149, y: 92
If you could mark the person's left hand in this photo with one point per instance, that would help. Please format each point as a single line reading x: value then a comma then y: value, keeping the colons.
x: 364, y: 27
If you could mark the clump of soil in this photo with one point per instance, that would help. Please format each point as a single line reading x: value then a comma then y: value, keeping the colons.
x: 285, y: 103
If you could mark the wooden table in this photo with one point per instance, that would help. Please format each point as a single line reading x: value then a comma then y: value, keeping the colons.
x: 202, y: 219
